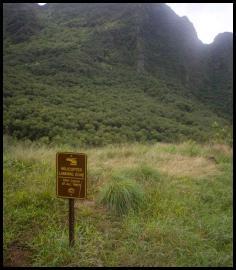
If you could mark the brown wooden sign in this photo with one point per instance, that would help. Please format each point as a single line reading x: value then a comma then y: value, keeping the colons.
x: 71, y: 175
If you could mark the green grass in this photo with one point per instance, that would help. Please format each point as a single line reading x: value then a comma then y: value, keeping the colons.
x: 121, y: 195
x: 183, y: 219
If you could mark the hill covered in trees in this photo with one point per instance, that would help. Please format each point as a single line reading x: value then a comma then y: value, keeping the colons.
x: 100, y: 73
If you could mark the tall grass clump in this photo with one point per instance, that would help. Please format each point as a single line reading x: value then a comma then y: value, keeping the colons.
x: 147, y: 173
x: 121, y: 195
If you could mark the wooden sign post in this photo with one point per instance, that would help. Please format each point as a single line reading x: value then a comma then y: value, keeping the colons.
x: 71, y: 174
x: 71, y: 223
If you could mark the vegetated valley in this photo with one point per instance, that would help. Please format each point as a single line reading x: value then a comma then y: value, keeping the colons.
x: 133, y: 87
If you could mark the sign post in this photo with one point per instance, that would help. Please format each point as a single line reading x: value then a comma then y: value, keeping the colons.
x: 71, y: 174
x: 71, y: 223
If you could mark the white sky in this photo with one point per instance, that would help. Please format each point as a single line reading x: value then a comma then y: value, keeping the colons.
x: 209, y: 19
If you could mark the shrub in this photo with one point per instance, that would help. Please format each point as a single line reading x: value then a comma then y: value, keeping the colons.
x: 121, y: 195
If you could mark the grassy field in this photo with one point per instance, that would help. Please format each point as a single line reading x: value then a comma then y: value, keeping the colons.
x: 177, y: 200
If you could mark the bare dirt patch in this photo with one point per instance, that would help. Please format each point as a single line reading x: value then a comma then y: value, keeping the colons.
x: 178, y: 165
x: 18, y: 257
x: 227, y: 150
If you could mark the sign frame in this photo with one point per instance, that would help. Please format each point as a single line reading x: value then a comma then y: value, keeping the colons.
x: 85, y: 175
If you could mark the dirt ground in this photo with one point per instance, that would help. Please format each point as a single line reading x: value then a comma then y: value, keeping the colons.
x: 18, y: 257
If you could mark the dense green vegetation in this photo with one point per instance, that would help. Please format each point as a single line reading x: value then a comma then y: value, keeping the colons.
x: 178, y: 210
x: 89, y: 115
x: 96, y: 74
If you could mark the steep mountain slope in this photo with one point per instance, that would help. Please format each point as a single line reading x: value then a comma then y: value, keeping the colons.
x: 102, y: 73
x: 218, y: 85
x: 20, y: 21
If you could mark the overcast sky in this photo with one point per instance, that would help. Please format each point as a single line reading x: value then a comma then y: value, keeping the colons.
x: 209, y: 19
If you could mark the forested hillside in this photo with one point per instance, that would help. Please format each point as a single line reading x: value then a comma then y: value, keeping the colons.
x: 95, y: 74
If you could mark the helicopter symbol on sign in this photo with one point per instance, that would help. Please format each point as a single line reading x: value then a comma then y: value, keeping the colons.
x: 73, y: 161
